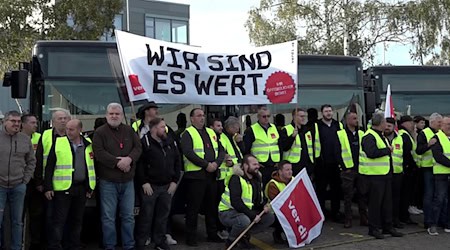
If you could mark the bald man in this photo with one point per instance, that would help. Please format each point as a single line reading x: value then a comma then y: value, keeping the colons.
x: 69, y: 181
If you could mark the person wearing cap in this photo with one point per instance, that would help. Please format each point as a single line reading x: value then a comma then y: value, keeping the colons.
x: 425, y: 140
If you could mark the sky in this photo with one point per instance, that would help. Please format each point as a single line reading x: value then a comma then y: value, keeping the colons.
x: 219, y: 24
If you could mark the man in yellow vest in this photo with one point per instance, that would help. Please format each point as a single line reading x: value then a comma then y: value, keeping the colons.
x: 441, y: 171
x: 69, y: 181
x: 280, y: 179
x: 29, y: 127
x: 425, y: 140
x: 243, y: 201
x: 349, y: 140
x: 261, y: 140
x: 297, y: 143
x: 203, y: 154
x: 375, y: 163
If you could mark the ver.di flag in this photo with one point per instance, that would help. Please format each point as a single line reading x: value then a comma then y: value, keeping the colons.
x: 176, y: 73
x: 389, y: 108
x: 298, y: 210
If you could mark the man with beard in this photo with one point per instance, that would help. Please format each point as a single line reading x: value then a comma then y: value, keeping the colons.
x: 375, y: 163
x: 157, y: 172
x: 242, y: 202
x: 203, y: 154
x: 145, y: 114
x: 117, y: 149
x: 327, y: 171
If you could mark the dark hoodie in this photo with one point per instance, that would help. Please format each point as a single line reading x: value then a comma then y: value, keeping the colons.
x: 272, y: 190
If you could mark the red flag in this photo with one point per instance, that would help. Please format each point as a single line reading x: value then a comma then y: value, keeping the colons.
x: 389, y: 108
x: 298, y: 211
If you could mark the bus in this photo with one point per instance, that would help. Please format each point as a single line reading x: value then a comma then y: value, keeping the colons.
x: 416, y: 90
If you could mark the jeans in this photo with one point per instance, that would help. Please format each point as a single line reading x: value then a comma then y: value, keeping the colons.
x: 440, y: 199
x: 238, y: 222
x: 155, y: 210
x: 115, y: 195
x: 15, y: 198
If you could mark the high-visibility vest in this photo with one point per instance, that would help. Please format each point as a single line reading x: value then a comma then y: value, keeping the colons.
x: 445, y: 143
x: 397, y: 152
x: 35, y: 140
x: 280, y: 186
x: 228, y: 146
x: 293, y: 155
x: 378, y: 166
x: 62, y: 177
x: 265, y: 144
x: 197, y: 145
x: 346, y: 151
x: 47, y: 142
x: 317, y: 145
x: 136, y: 125
x: 246, y: 195
x: 426, y: 159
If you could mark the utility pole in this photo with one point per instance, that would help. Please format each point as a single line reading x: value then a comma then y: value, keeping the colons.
x: 346, y: 47
x: 128, y: 15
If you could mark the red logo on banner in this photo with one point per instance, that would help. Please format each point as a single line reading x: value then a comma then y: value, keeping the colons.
x: 136, y: 85
x: 301, y: 212
x: 397, y: 146
x: 280, y: 87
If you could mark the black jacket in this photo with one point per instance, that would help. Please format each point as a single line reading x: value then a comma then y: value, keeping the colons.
x: 328, y: 141
x: 286, y: 143
x: 422, y: 143
x: 160, y: 163
x: 438, y: 153
x: 408, y: 159
x: 51, y: 165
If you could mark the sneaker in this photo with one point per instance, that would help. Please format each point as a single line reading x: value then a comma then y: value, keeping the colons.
x: 432, y: 231
x: 411, y: 210
x: 223, y: 234
x: 420, y: 211
x: 447, y: 230
x: 170, y: 240
x: 148, y: 241
x: 162, y: 246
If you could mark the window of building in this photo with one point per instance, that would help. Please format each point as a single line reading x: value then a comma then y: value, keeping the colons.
x: 162, y: 30
x: 118, y: 25
x: 150, y: 27
x: 166, y: 29
x: 179, y: 31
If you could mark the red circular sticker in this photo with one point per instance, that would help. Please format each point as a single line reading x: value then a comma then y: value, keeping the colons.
x: 280, y: 87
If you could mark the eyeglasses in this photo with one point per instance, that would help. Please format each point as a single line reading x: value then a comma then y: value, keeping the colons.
x: 265, y: 116
x: 14, y: 121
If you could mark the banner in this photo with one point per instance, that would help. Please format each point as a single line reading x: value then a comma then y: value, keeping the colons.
x: 298, y: 210
x: 180, y: 74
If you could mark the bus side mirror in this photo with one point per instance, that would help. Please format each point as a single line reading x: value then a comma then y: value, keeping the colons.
x: 19, y: 83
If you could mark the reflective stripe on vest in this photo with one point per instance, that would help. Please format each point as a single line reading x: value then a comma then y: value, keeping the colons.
x: 35, y: 140
x: 346, y: 151
x: 246, y: 195
x: 280, y: 186
x: 317, y: 146
x: 426, y: 160
x: 197, y: 146
x: 293, y: 155
x: 228, y: 146
x: 445, y: 143
x: 47, y: 141
x: 397, y: 154
x: 62, y: 176
x: 265, y: 144
x: 378, y: 166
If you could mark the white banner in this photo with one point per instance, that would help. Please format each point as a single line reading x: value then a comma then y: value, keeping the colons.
x: 175, y: 73
x: 298, y: 210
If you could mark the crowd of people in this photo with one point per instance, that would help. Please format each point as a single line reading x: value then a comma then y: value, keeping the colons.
x: 392, y: 170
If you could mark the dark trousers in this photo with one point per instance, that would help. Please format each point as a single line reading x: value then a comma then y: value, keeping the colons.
x: 220, y: 190
x: 329, y: 175
x: 406, y: 195
x: 428, y: 193
x: 266, y: 173
x: 440, y: 200
x: 35, y: 208
x: 68, y: 207
x: 418, y: 188
x: 380, y: 202
x: 153, y: 214
x: 397, y: 181
x: 201, y: 192
x: 351, y: 182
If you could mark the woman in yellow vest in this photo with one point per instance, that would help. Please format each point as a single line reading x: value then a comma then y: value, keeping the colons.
x: 69, y: 180
x: 280, y: 179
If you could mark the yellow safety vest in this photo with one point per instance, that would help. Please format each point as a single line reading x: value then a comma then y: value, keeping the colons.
x: 47, y: 142
x: 265, y: 144
x: 346, y: 151
x: 228, y: 146
x: 397, y: 152
x: 280, y: 186
x: 35, y: 140
x: 246, y: 195
x: 378, y: 166
x: 62, y: 177
x: 136, y: 125
x: 445, y: 143
x: 293, y: 155
x: 426, y: 159
x: 197, y: 145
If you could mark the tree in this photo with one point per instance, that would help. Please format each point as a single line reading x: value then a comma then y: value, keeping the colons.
x: 25, y: 21
x: 353, y: 26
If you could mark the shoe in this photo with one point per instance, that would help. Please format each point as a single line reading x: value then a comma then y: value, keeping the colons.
x: 393, y: 232
x: 277, y: 238
x: 162, y: 246
x: 214, y: 238
x: 411, y: 210
x: 348, y: 223
x: 447, y: 230
x: 223, y: 234
x: 148, y: 241
x: 398, y: 225
x: 420, y: 211
x: 376, y: 233
x: 170, y: 241
x: 432, y: 231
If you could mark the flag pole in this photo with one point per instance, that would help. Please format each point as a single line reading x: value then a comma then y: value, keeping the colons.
x: 244, y: 232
